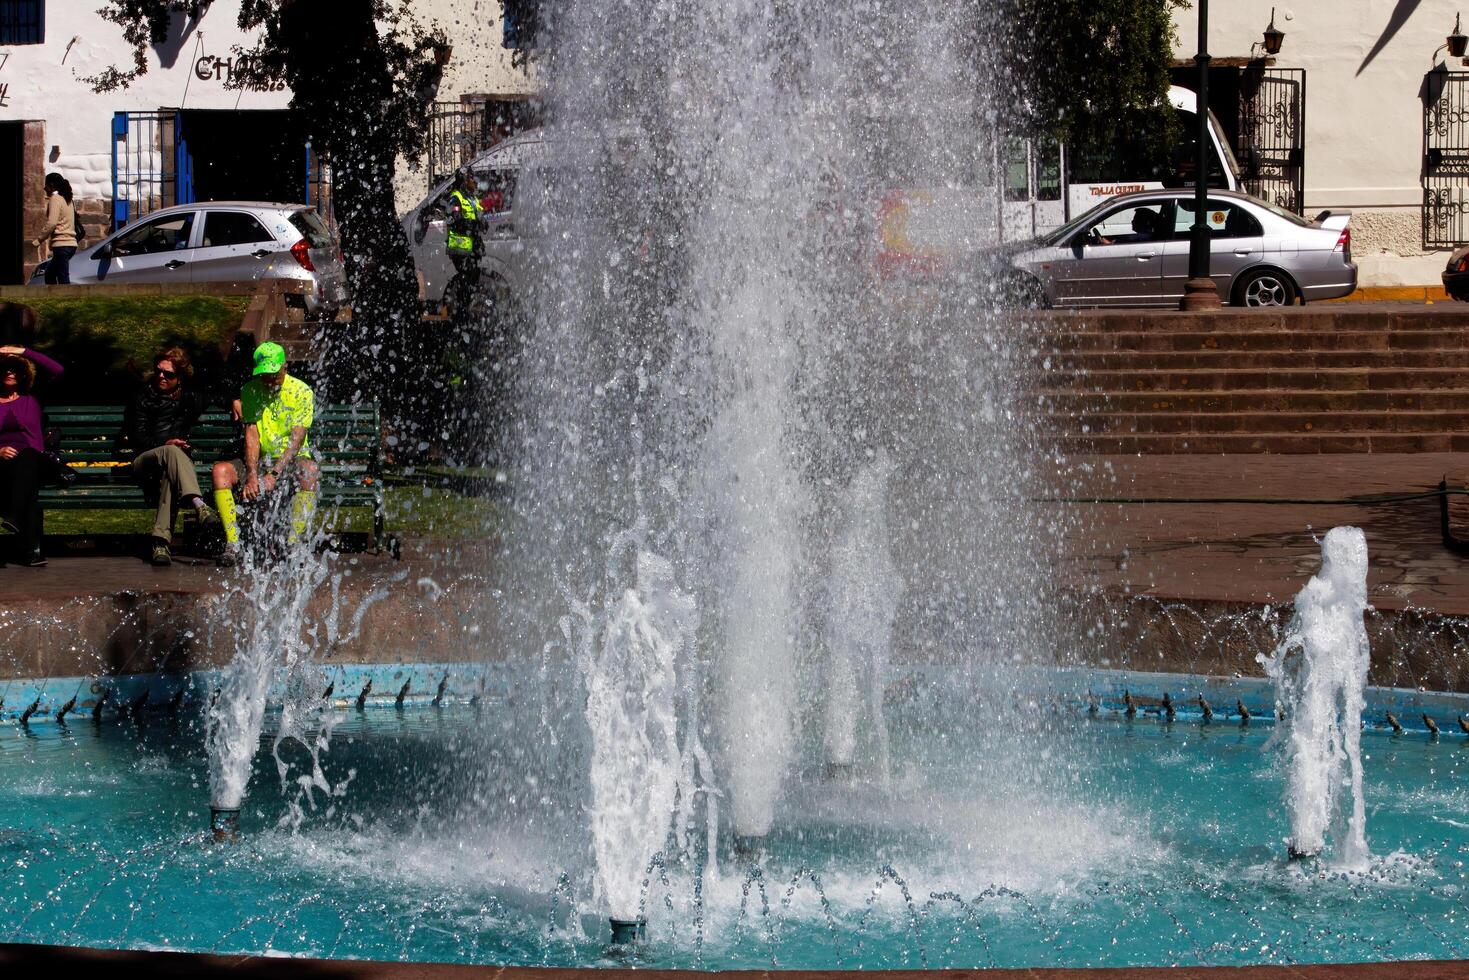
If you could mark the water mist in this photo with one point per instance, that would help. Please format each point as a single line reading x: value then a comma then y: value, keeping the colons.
x: 717, y: 355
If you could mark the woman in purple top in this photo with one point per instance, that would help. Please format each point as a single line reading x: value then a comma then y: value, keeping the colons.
x: 22, y: 448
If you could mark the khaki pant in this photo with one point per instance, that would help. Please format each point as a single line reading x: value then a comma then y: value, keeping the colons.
x: 170, y: 470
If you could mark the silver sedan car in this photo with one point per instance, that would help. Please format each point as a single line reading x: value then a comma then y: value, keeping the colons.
x: 222, y: 241
x: 1132, y: 250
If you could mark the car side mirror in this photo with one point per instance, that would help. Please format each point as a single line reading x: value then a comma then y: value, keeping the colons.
x: 103, y: 253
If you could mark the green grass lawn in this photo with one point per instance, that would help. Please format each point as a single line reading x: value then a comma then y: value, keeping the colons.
x: 413, y: 511
x: 106, y: 341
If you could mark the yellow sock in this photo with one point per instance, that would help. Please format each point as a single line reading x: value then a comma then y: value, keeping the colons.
x: 303, y: 505
x: 224, y: 505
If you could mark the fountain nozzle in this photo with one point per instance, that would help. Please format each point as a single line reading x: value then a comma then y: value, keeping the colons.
x: 627, y: 932
x: 224, y: 824
x: 749, y: 847
x: 839, y: 772
x: 1295, y: 855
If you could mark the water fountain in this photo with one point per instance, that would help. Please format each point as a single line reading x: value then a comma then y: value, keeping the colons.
x: 1320, y: 674
x: 717, y: 358
x: 280, y: 641
x: 785, y: 679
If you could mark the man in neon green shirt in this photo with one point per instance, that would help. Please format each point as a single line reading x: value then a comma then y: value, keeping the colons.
x: 276, y: 410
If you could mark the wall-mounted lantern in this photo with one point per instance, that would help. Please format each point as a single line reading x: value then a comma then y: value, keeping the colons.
x: 1273, y: 36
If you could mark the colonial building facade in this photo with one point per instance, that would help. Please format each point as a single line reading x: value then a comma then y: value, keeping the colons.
x: 1363, y: 106
x: 181, y: 132
x: 177, y: 133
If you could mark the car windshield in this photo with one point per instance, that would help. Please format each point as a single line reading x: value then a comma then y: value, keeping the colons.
x: 1059, y: 235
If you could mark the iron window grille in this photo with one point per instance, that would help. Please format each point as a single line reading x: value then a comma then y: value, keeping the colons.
x: 1445, y: 159
x: 22, y: 21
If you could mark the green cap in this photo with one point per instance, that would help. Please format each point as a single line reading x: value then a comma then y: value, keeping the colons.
x: 270, y: 357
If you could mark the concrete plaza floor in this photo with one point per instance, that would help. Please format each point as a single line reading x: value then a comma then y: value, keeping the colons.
x: 1263, y: 546
x: 1259, y: 547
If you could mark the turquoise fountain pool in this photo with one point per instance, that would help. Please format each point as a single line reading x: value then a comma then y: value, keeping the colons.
x: 456, y: 833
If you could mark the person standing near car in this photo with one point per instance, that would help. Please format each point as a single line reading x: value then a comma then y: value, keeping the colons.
x: 59, y: 235
x: 463, y: 234
x: 23, y: 460
x: 156, y: 427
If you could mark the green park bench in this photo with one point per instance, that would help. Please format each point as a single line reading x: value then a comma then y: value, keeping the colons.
x: 346, y: 441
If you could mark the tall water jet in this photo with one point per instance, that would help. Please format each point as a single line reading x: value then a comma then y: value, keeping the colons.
x: 1320, y: 674
x: 724, y: 307
x: 865, y: 590
x: 270, y: 611
x: 628, y: 652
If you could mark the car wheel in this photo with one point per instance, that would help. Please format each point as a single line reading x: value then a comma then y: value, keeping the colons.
x: 1029, y: 294
x: 1265, y: 287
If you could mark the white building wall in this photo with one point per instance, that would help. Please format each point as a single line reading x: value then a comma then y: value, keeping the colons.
x: 479, y: 64
x: 1364, y: 61
x: 44, y: 82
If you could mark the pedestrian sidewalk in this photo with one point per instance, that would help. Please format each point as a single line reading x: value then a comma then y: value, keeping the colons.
x: 1263, y: 546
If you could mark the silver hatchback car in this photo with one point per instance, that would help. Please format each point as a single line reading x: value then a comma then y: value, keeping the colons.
x: 1132, y: 250
x: 222, y: 241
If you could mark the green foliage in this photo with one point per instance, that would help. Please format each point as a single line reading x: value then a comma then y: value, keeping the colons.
x: 1091, y: 73
x: 106, y: 343
x: 143, y: 22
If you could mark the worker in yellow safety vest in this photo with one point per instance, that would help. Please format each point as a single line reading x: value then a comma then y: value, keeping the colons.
x: 463, y: 233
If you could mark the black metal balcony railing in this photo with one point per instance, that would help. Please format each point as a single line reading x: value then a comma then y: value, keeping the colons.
x: 1445, y: 159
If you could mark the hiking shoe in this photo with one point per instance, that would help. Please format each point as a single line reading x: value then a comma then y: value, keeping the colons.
x: 160, y: 554
x: 208, y: 519
x: 35, y: 559
x: 228, y: 558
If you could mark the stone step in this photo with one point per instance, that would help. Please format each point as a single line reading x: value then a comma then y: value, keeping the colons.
x: 1155, y: 341
x: 1143, y: 402
x: 1245, y: 360
x: 1260, y: 442
x: 1316, y: 318
x: 1161, y: 423
x: 1251, y: 379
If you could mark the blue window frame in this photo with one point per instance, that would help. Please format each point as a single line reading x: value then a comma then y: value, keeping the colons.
x: 22, y: 21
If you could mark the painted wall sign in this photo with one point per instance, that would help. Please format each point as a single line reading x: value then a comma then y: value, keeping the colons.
x: 213, y: 68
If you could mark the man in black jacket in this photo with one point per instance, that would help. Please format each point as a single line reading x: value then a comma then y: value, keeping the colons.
x: 156, y: 427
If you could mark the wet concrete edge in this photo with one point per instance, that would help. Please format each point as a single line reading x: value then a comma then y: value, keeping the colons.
x: 49, y: 959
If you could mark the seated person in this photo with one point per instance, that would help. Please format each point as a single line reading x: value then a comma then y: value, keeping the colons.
x: 23, y: 460
x: 1145, y: 224
x: 156, y: 428
x: 276, y: 411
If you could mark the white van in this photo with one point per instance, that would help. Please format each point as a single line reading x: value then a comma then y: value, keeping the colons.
x: 1044, y: 186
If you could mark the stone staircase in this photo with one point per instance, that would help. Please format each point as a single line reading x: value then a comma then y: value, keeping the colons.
x: 1319, y: 379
